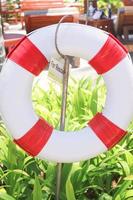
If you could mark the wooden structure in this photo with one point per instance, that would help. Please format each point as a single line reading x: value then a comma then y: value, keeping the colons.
x: 128, y: 2
x: 104, y: 24
x: 40, y: 4
x: 124, y: 24
x: 11, y: 40
x: 34, y: 21
x: 36, y: 13
x: 35, y: 5
x: 27, y: 5
x: 2, y: 50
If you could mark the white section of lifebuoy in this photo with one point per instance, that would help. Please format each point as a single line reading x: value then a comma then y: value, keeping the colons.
x: 16, y: 85
x: 119, y: 82
x: 16, y: 102
x: 69, y: 42
x: 71, y: 145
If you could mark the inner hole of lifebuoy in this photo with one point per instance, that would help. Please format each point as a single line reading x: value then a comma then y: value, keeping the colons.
x: 86, y: 96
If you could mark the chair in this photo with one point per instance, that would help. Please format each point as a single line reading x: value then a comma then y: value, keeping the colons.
x: 11, y: 40
x: 128, y: 2
x: 38, y: 5
x: 37, y: 19
x: 124, y: 23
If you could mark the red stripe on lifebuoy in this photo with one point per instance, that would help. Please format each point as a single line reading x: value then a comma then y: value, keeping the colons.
x: 118, y: 41
x: 108, y: 132
x: 109, y: 55
x: 35, y: 139
x: 28, y: 56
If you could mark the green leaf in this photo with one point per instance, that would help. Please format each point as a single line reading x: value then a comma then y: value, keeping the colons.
x: 129, y: 178
x: 94, y: 101
x: 21, y: 172
x: 65, y: 172
x: 121, y: 190
x: 129, y: 159
x: 117, y: 198
x: 5, y: 196
x: 69, y: 190
x: 50, y: 175
x: 125, y: 167
x: 37, y: 192
x: 129, y: 194
x: 105, y: 197
x: 12, y: 152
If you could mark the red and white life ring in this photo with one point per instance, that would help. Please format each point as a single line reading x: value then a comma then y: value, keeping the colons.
x: 105, y: 54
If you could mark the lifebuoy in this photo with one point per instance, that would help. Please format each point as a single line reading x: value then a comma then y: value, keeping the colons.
x: 105, y: 54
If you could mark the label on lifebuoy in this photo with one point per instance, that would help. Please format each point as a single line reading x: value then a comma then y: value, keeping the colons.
x: 56, y: 70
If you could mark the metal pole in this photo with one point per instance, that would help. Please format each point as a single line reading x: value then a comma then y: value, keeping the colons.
x: 64, y: 101
x: 62, y: 120
x: 64, y: 93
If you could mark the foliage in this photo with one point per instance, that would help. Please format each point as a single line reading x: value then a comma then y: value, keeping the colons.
x: 108, y: 176
x: 103, y: 4
x: 115, y: 4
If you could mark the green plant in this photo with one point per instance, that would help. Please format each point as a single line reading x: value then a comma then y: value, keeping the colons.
x: 115, y: 4
x: 108, y: 176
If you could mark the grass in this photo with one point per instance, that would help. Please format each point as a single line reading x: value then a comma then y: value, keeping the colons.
x: 108, y: 176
